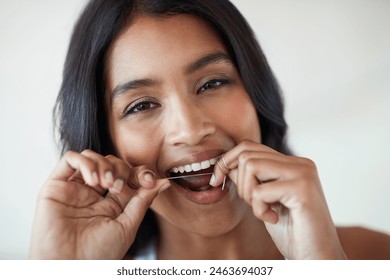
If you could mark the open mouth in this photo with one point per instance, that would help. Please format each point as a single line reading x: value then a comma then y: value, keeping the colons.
x: 191, y: 176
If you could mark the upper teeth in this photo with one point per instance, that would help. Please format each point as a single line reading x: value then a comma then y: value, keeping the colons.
x: 194, y: 166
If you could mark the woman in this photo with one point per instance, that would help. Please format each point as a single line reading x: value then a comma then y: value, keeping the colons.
x: 174, y: 146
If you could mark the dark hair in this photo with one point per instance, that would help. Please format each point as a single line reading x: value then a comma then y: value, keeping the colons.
x: 80, y: 111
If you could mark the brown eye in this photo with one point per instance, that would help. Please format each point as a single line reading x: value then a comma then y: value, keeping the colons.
x: 139, y: 107
x: 213, y: 84
x: 142, y: 106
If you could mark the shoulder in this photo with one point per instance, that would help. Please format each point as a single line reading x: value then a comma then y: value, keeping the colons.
x: 362, y: 243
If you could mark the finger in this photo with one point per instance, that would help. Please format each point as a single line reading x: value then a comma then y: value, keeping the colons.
x: 138, y: 204
x: 231, y: 159
x: 73, y: 162
x: 236, y: 157
x: 223, y: 167
x: 114, y: 173
x: 256, y: 168
x: 247, y: 179
x: 119, y: 174
x: 109, y: 168
x: 142, y: 176
x: 77, y: 168
x: 134, y: 179
x: 77, y: 177
x: 262, y: 199
x: 292, y: 195
x: 265, y: 213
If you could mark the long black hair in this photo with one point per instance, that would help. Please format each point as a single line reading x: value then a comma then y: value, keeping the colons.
x: 79, y: 111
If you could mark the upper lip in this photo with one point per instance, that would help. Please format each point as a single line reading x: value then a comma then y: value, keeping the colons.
x: 194, y: 158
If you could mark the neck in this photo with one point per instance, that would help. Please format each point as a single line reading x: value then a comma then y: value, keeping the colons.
x: 249, y: 239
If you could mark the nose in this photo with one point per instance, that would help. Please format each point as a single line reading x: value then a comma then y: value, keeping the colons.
x: 188, y: 123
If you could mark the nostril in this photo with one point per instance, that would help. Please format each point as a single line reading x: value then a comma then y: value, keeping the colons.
x: 188, y: 122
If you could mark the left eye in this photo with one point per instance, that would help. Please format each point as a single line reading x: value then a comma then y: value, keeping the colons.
x: 212, y: 85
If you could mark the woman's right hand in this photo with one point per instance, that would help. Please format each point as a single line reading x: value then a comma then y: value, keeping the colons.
x: 91, y: 207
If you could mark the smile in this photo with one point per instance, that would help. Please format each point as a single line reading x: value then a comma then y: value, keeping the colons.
x: 192, y: 181
x: 194, y: 167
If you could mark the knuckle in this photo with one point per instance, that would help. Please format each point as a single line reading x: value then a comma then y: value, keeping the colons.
x: 246, y: 143
x: 70, y: 154
x: 111, y: 157
x: 251, y: 164
x: 308, y: 163
x: 308, y: 168
x: 117, y: 162
x: 87, y: 152
x: 244, y: 157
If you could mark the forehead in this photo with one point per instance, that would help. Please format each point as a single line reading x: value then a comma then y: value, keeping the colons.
x: 162, y: 42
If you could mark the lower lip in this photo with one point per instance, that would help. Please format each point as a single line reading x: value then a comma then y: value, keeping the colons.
x: 209, y: 196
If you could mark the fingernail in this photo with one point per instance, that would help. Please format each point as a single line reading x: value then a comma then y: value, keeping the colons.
x: 118, y: 186
x: 212, y: 180
x: 109, y: 177
x: 147, y: 179
x: 148, y: 176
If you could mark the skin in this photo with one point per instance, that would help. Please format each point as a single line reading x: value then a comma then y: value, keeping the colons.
x: 273, y: 207
x: 186, y: 121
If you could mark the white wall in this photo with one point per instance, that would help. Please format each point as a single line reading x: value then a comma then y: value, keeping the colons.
x: 331, y: 57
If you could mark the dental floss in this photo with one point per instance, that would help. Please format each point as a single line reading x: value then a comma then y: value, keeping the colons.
x: 224, y: 181
x: 185, y: 176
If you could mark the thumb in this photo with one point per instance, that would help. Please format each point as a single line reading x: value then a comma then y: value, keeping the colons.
x: 135, y: 210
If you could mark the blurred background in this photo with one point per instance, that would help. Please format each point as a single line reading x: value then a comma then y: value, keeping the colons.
x: 332, y: 59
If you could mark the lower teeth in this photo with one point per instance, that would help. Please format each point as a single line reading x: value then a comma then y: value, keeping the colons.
x: 204, y: 188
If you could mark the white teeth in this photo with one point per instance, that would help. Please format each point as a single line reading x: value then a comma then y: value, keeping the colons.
x: 203, y: 188
x: 187, y: 168
x: 205, y: 164
x: 194, y: 166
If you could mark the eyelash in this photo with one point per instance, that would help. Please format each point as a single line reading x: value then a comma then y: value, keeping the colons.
x: 135, y: 108
x: 220, y: 82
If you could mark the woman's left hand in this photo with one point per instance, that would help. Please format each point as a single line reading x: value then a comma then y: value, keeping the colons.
x: 285, y: 192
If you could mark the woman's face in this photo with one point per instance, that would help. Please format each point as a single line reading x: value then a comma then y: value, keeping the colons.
x: 175, y: 103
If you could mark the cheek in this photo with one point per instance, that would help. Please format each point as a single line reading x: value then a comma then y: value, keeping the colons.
x: 240, y: 119
x: 136, y: 145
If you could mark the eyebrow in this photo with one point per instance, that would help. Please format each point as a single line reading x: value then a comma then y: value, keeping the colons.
x: 206, y: 60
x: 135, y: 84
x: 191, y: 68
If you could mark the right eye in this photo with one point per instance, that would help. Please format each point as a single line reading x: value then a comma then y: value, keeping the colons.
x: 139, y: 107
